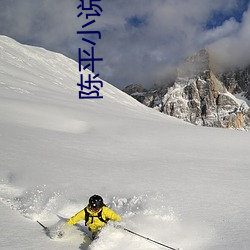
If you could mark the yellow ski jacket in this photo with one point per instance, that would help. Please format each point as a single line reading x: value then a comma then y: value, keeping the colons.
x: 94, y: 223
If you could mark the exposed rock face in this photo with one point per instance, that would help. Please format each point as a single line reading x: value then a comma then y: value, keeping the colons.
x: 199, y: 97
x: 237, y: 81
x: 137, y: 91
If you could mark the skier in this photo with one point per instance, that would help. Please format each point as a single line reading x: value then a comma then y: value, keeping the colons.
x: 95, y: 214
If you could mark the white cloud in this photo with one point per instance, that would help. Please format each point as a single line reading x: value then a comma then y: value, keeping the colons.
x: 233, y: 50
x: 228, y: 28
x: 171, y: 31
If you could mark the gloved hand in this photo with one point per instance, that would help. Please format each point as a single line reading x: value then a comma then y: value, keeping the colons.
x: 62, y: 230
x: 60, y: 233
x: 118, y: 226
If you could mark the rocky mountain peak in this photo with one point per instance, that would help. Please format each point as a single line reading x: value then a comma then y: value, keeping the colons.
x: 196, y: 64
x: 202, y: 97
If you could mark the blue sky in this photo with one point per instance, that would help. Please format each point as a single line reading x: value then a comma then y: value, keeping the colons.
x: 142, y: 41
x: 218, y: 17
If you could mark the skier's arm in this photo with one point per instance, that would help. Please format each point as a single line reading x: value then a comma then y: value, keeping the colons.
x: 77, y: 217
x: 110, y: 214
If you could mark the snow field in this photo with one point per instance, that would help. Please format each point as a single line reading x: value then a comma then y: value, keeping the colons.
x: 181, y: 185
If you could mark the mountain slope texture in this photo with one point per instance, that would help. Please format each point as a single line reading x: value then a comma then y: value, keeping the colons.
x: 182, y: 185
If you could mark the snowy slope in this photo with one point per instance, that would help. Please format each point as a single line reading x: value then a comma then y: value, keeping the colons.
x: 179, y: 184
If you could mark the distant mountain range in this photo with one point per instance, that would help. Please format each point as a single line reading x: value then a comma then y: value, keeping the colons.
x: 201, y: 94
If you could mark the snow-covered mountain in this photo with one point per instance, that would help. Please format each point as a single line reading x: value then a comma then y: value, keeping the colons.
x: 237, y: 81
x: 201, y: 95
x: 182, y: 185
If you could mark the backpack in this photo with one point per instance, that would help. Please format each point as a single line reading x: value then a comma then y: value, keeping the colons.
x: 88, y: 216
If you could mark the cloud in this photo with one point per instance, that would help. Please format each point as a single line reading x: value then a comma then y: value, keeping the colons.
x: 141, y: 40
x: 228, y: 28
x: 45, y: 22
x: 233, y: 49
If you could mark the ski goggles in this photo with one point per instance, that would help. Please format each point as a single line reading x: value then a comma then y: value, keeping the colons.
x: 94, y: 208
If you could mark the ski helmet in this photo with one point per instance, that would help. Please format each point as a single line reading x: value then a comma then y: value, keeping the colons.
x: 95, y: 202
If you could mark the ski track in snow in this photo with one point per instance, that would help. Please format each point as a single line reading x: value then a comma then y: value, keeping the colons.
x: 43, y: 117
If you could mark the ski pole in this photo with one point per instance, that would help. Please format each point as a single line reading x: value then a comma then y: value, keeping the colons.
x: 146, y: 238
x: 45, y: 228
